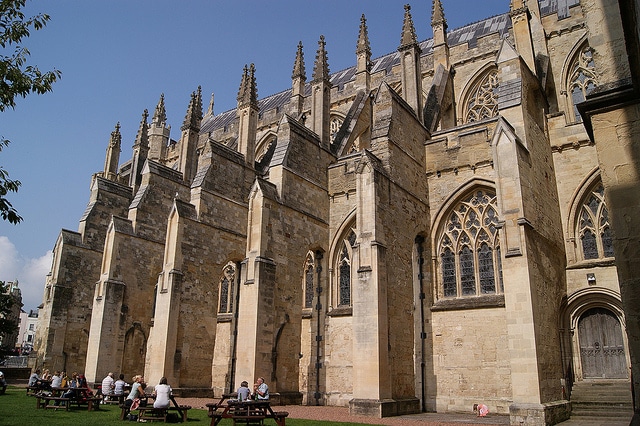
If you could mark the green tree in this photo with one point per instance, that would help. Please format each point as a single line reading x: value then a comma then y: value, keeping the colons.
x: 17, y: 79
x: 8, y: 322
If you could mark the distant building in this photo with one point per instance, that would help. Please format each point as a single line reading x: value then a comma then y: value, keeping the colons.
x: 452, y: 222
x: 27, y: 331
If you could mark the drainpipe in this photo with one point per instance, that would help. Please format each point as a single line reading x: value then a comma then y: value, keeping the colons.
x: 318, y: 308
x: 234, y: 329
x: 423, y: 333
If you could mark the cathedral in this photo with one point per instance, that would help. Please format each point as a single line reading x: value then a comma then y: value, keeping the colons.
x: 451, y: 223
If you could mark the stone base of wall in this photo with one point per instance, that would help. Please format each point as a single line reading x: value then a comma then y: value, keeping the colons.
x: 193, y: 392
x: 547, y: 414
x: 384, y: 408
x: 285, y: 398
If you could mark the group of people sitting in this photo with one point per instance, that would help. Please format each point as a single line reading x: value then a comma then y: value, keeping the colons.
x: 112, y: 389
x: 75, y: 387
x: 260, y: 391
x: 161, y: 394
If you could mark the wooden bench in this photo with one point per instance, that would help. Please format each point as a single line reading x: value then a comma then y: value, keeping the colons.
x: 44, y: 400
x: 182, y: 411
x: 254, y: 419
x: 33, y: 390
x: 152, y: 414
x: 92, y: 403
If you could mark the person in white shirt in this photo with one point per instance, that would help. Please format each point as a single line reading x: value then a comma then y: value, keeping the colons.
x: 107, y: 386
x: 162, y: 393
x: 56, y: 380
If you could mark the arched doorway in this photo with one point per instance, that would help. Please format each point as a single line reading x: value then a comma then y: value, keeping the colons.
x: 601, y: 345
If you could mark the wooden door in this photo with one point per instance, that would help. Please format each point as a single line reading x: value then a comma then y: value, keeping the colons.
x: 601, y: 345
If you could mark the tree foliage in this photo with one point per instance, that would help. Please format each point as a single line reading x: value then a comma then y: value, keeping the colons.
x: 8, y: 324
x: 17, y: 79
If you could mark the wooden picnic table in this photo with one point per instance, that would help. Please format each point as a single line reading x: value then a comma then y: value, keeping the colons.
x: 244, y: 412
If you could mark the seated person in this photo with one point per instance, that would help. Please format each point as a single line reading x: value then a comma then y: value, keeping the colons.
x: 118, y: 390
x: 107, y: 386
x: 137, y: 392
x: 34, y: 379
x: 73, y: 385
x: 162, y: 394
x: 260, y: 389
x: 243, y: 391
x: 56, y: 380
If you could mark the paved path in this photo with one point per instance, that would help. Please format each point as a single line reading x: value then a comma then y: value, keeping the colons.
x: 341, y: 414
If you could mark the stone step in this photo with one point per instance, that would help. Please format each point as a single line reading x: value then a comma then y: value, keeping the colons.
x: 602, y: 399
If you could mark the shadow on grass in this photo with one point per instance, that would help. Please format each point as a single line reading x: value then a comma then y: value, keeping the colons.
x: 19, y: 409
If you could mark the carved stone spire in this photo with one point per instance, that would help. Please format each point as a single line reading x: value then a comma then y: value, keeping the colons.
x: 363, y: 39
x: 193, y: 116
x: 363, y: 56
x: 247, y: 113
x: 160, y: 114
x: 298, y: 65
x: 140, y: 151
x: 189, y: 139
x: 408, y: 37
x: 248, y: 93
x: 113, y: 154
x: 321, y: 66
x: 298, y: 80
x: 142, y: 138
x: 159, y: 132
x: 440, y: 44
x: 321, y: 96
x: 437, y: 15
x: 410, y: 62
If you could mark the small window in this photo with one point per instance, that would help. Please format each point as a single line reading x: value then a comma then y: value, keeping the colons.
x: 227, y: 289
x: 308, y: 280
x: 342, y: 269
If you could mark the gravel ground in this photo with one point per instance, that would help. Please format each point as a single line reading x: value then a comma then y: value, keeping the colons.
x: 341, y: 414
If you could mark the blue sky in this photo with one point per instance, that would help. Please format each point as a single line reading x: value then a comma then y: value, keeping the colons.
x: 118, y: 56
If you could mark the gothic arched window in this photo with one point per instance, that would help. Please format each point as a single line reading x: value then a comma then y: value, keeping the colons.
x: 469, y: 249
x: 343, y: 269
x: 335, y: 124
x: 593, y: 227
x: 581, y: 79
x: 227, y: 288
x: 309, y: 266
x: 482, y: 101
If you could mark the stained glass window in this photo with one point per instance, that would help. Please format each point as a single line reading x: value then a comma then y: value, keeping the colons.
x: 449, y: 273
x: 345, y: 280
x: 308, y: 281
x: 227, y: 281
x: 482, y: 102
x: 582, y: 78
x: 594, y: 230
x: 343, y: 269
x: 469, y: 247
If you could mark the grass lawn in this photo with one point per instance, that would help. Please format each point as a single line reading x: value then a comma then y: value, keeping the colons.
x: 18, y: 409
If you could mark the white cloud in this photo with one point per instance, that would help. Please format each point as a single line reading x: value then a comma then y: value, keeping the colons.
x: 30, y: 273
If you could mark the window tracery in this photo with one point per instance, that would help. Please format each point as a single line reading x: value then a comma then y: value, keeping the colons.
x: 308, y: 280
x: 225, y: 304
x: 593, y: 226
x: 334, y: 128
x: 581, y: 79
x: 343, y: 269
x: 468, y: 248
x: 482, y: 101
